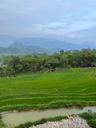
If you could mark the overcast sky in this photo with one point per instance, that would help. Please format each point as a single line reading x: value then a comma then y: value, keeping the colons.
x: 46, y: 17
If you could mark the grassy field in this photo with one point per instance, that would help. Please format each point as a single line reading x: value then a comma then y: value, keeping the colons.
x: 70, y: 87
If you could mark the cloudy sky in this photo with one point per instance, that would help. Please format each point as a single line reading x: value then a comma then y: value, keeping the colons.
x: 46, y: 17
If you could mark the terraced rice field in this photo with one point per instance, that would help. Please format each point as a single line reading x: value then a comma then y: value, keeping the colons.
x: 70, y: 87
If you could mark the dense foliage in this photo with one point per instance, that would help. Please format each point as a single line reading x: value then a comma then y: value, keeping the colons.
x: 13, y: 65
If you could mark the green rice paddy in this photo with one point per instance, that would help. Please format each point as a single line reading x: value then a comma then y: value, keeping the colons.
x: 66, y: 88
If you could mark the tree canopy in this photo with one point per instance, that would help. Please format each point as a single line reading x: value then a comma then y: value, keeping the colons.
x: 13, y: 65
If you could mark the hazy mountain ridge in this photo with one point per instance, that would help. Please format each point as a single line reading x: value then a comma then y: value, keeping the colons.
x: 40, y: 45
x: 19, y: 48
x: 53, y: 43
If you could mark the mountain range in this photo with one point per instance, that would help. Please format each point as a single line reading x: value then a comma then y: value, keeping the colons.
x: 31, y: 45
x: 19, y: 48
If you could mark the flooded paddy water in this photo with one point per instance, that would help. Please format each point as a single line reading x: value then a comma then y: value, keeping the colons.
x: 12, y: 119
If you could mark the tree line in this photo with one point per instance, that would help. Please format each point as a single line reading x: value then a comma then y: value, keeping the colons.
x: 13, y: 65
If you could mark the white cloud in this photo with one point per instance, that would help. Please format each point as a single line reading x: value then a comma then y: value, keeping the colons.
x: 46, y: 17
x: 62, y: 28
